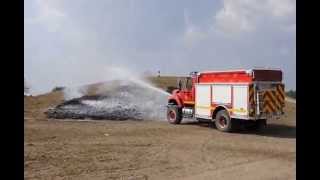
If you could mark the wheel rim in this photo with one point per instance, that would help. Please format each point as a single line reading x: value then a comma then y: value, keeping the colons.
x: 172, y: 116
x: 222, y: 121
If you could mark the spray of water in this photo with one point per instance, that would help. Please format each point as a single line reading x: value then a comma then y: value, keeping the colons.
x: 126, y: 75
x: 144, y: 84
x: 125, y: 95
x: 74, y: 92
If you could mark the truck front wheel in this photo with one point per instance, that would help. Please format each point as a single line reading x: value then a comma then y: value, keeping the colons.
x: 224, y: 122
x: 174, y: 115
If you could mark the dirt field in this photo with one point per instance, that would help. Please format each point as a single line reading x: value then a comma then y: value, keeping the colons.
x: 57, y: 149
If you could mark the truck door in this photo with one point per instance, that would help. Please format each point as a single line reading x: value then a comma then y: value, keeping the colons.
x: 240, y: 100
x: 185, y: 85
x: 203, y: 100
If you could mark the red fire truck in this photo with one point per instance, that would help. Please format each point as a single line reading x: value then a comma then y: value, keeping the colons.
x: 229, y: 98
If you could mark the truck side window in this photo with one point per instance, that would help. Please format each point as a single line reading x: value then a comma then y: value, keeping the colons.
x: 189, y: 83
x: 180, y: 84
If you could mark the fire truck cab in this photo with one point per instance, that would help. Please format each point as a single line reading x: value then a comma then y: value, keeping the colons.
x: 229, y: 98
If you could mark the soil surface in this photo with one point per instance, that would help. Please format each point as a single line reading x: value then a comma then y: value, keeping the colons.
x: 148, y: 149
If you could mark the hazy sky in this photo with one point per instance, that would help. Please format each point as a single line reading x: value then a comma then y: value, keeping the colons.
x: 74, y: 42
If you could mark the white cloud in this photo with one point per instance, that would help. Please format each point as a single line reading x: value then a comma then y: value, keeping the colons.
x: 48, y: 14
x: 244, y: 16
x: 239, y: 16
x: 282, y: 8
x: 192, y: 33
x: 234, y: 17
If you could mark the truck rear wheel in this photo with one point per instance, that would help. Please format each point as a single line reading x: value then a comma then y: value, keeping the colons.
x: 223, y: 121
x: 174, y: 115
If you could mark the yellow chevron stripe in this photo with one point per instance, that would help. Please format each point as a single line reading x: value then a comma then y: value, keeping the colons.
x: 280, y: 89
x: 279, y: 98
x: 268, y: 101
x: 278, y: 94
x: 267, y: 109
x: 276, y: 102
x: 250, y: 91
x: 251, y: 100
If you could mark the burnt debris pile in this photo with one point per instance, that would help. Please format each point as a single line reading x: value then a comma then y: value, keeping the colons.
x: 123, y: 102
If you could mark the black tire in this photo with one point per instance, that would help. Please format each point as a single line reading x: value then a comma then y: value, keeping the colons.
x: 174, y: 115
x: 224, y: 122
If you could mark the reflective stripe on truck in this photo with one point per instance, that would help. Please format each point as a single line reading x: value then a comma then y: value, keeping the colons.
x: 273, y: 100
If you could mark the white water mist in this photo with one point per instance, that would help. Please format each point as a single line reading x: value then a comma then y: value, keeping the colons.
x: 125, y: 90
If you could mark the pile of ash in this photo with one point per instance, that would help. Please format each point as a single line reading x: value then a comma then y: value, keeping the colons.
x: 128, y: 101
